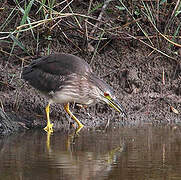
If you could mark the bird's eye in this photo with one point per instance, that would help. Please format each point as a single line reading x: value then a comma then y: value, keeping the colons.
x: 106, y: 94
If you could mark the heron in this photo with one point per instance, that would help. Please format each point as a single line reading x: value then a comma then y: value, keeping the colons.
x: 66, y: 78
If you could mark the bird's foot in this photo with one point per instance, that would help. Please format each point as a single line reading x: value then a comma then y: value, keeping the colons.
x: 78, y: 129
x: 49, y: 128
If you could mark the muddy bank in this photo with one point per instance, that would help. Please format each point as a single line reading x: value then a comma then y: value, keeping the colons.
x: 146, y: 78
x: 136, y: 79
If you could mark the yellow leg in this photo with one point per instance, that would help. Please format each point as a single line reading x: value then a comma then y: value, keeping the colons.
x: 80, y: 125
x: 49, y: 126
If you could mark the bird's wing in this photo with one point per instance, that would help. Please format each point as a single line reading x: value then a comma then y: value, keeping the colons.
x: 50, y: 72
x: 62, y: 64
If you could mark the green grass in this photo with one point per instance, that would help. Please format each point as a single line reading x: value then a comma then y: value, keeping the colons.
x: 155, y: 23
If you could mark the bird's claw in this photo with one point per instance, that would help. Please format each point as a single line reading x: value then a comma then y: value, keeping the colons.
x: 78, y: 129
x: 49, y: 128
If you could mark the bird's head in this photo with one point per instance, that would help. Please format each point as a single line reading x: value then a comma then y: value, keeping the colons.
x: 105, y: 93
x: 111, y: 100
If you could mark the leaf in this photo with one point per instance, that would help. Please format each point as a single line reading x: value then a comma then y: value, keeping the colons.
x: 26, y: 12
x: 121, y: 8
x: 174, y: 110
x: 16, y: 41
x: 162, y: 2
x: 177, y: 13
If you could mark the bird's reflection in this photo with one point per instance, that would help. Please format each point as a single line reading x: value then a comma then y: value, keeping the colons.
x: 59, y: 156
x: 83, y: 163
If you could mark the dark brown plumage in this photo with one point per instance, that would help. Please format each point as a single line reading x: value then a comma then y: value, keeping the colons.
x: 49, y: 72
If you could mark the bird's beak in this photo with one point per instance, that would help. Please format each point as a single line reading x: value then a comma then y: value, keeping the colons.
x: 115, y: 104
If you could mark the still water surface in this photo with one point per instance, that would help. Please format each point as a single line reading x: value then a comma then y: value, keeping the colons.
x: 142, y: 153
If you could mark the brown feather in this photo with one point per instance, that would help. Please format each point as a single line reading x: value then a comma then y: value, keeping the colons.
x: 49, y: 73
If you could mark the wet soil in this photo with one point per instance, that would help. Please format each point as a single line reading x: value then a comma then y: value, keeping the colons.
x: 134, y: 70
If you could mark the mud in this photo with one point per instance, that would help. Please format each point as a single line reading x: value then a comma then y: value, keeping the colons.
x: 132, y: 69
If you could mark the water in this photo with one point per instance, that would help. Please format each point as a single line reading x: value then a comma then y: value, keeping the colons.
x: 138, y: 153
